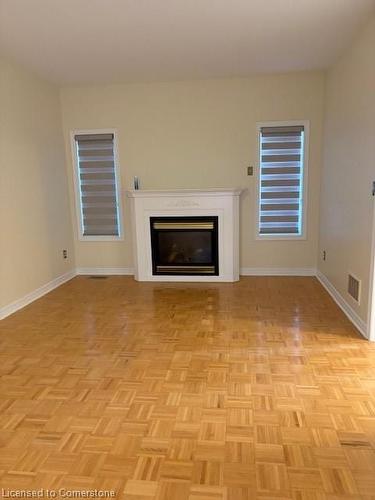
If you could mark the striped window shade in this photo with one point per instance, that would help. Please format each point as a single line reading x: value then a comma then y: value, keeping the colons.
x: 97, y: 183
x: 281, y: 180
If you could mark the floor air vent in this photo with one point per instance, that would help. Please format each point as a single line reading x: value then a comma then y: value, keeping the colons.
x: 98, y: 277
x: 354, y: 287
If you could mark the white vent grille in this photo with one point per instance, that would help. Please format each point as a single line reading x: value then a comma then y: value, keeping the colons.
x: 354, y: 287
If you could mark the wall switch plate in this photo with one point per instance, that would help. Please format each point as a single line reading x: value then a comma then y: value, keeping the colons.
x: 250, y: 170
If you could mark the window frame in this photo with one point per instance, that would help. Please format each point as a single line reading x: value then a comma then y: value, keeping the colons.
x: 77, y: 191
x: 280, y: 237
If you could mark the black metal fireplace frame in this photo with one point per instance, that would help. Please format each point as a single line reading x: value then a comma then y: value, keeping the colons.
x: 186, y: 272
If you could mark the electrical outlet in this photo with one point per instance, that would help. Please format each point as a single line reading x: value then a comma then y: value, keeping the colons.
x: 65, y: 254
x: 250, y: 170
x: 324, y: 255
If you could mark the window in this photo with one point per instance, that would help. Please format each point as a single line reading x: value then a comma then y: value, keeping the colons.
x: 97, y: 185
x: 282, y: 169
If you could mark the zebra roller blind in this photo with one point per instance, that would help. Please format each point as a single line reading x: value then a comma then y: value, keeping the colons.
x: 97, y: 184
x: 281, y: 180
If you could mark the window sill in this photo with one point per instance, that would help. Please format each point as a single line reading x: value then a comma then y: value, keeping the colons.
x: 271, y: 237
x: 101, y: 238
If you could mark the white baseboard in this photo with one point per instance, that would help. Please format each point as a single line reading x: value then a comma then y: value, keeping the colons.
x: 343, y: 304
x: 246, y: 271
x: 36, y: 294
x: 107, y: 271
x: 277, y: 271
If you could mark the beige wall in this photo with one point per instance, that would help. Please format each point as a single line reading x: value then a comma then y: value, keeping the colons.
x: 349, y: 168
x: 199, y: 134
x: 34, y: 209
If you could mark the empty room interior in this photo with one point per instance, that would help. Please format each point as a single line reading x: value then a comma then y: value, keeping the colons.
x: 187, y: 284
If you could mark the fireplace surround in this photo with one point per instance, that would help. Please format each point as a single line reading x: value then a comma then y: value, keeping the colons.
x: 185, y: 235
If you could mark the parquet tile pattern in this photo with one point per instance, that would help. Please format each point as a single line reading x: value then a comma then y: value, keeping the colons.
x: 260, y: 389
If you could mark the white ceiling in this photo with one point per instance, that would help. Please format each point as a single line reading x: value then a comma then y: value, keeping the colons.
x: 105, y: 41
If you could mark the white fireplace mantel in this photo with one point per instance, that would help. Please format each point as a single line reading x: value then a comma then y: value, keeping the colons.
x: 223, y: 203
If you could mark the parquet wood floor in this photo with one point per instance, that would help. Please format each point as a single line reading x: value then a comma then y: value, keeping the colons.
x: 256, y: 390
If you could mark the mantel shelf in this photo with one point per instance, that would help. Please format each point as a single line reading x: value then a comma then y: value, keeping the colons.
x: 157, y: 193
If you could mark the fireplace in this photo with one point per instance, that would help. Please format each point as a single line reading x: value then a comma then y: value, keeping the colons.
x: 184, y: 245
x: 214, y: 241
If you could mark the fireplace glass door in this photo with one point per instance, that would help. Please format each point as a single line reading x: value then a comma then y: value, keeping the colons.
x: 184, y: 245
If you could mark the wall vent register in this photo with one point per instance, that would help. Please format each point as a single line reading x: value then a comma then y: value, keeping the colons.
x: 184, y: 245
x: 354, y: 287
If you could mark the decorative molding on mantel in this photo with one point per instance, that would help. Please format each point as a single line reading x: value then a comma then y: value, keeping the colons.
x: 182, y: 203
x: 157, y: 193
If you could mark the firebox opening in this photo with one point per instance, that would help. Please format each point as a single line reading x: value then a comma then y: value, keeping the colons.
x: 184, y: 245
